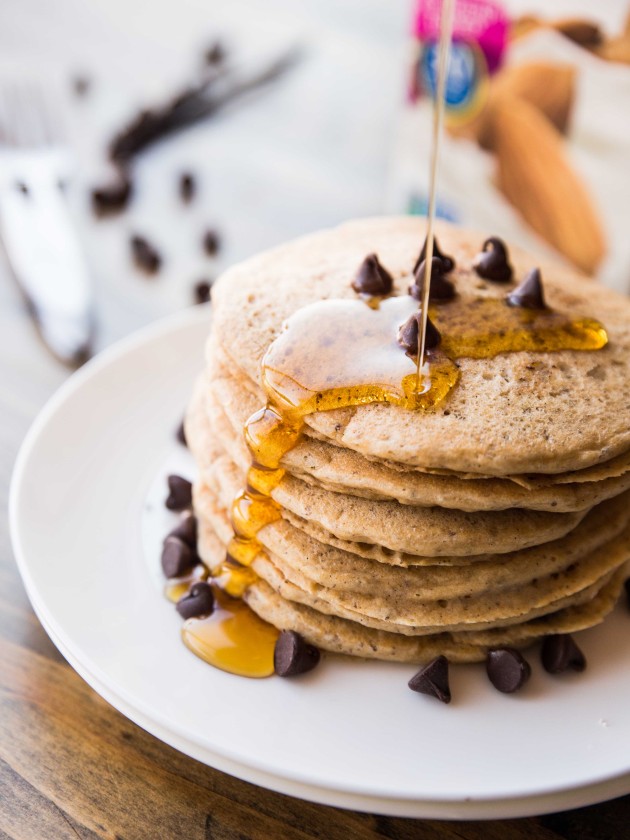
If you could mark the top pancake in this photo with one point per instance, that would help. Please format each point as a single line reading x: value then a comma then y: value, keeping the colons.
x: 516, y: 413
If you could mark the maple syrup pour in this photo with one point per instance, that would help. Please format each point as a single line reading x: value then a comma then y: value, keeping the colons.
x: 232, y: 638
x: 341, y: 353
x: 439, y: 105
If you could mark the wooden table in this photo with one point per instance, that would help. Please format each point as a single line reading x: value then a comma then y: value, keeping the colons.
x: 71, y: 766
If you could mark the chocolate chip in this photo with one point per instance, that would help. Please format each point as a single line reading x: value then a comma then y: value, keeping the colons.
x: 177, y: 558
x: 187, y: 187
x: 211, y: 242
x: 203, y: 291
x: 180, y: 434
x: 408, y: 334
x: 215, y: 54
x: 199, y: 601
x: 372, y: 278
x: 433, y: 680
x: 180, y: 495
x: 144, y: 255
x: 21, y: 187
x: 560, y: 653
x: 529, y: 293
x: 448, y: 263
x: 186, y: 531
x: 492, y: 263
x: 112, y: 198
x: 507, y: 670
x: 293, y: 655
x: 627, y: 588
x: 440, y: 288
x: 81, y: 85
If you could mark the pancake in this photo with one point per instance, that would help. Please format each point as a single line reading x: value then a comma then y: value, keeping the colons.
x: 393, y: 609
x: 338, y: 635
x: 514, y: 413
x: 228, y: 406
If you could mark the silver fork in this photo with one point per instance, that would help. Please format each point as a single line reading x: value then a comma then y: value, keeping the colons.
x: 36, y: 228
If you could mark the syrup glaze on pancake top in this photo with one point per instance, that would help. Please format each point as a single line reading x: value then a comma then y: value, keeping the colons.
x: 506, y: 363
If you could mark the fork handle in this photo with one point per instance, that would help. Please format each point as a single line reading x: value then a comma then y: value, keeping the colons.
x: 42, y: 248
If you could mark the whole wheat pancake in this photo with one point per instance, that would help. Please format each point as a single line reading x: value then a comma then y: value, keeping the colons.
x: 428, y: 532
x: 228, y: 406
x: 393, y: 609
x: 339, y: 635
x: 326, y: 567
x: 515, y: 413
x: 220, y: 367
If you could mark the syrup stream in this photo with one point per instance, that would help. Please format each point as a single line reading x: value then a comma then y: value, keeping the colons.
x: 446, y: 31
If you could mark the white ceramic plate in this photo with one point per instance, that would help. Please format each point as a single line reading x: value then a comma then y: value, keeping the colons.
x: 87, y: 521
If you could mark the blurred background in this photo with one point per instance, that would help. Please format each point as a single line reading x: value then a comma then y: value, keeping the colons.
x: 197, y: 133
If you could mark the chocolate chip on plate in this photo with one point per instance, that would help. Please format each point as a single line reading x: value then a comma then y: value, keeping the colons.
x: 211, y: 242
x: 493, y: 263
x: 560, y: 653
x: 372, y: 278
x: 198, y: 602
x: 440, y: 287
x: 448, y: 263
x: 180, y: 434
x: 408, y: 334
x: 529, y: 293
x: 186, y: 531
x: 507, y: 669
x: 202, y: 291
x: 293, y: 655
x: 187, y: 187
x: 145, y: 256
x: 177, y: 557
x: 433, y: 680
x: 180, y: 493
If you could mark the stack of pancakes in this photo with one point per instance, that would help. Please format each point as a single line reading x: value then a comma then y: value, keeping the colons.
x: 496, y: 518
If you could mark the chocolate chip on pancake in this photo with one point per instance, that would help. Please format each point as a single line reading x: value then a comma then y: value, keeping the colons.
x: 448, y: 263
x: 440, y: 287
x: 529, y: 293
x: 372, y: 278
x: 493, y: 263
x: 408, y: 334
